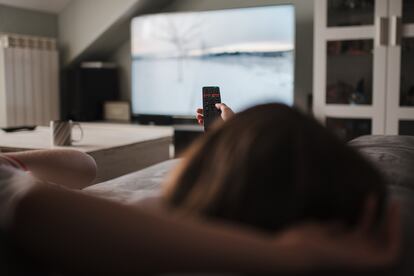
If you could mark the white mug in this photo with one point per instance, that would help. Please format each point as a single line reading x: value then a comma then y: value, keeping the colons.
x: 61, y: 133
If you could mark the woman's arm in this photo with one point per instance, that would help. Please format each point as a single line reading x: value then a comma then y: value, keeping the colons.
x: 70, y: 168
x: 79, y: 233
x: 75, y: 232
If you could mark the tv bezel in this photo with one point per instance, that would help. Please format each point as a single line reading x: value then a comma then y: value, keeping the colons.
x: 163, y: 120
x: 159, y: 119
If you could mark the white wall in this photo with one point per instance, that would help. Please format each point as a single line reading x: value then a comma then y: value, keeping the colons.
x: 304, y: 41
x: 122, y: 57
x: 27, y: 22
x: 83, y: 21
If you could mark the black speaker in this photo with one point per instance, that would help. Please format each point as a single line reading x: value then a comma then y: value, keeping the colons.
x: 86, y: 88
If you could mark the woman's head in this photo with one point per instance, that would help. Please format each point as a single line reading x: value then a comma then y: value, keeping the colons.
x: 270, y: 167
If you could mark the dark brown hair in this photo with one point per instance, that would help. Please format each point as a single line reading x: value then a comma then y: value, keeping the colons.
x: 270, y: 167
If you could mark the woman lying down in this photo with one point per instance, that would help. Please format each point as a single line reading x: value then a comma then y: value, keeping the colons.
x: 268, y: 190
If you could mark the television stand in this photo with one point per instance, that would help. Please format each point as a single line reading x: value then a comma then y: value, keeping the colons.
x: 184, y: 136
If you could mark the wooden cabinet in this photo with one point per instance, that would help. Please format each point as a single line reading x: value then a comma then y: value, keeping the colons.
x: 364, y: 66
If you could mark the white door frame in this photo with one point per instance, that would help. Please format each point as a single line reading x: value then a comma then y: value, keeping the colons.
x: 394, y: 111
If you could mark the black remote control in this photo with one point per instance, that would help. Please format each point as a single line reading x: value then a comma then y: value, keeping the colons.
x: 19, y: 128
x: 211, y: 96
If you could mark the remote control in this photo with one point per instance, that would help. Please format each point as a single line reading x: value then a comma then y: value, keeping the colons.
x: 211, y: 96
x: 19, y: 128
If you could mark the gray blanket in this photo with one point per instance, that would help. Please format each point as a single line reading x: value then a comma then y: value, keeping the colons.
x: 393, y: 155
x: 135, y: 187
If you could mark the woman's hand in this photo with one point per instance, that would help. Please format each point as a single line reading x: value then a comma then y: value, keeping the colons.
x: 14, y: 184
x: 226, y: 113
x: 330, y: 246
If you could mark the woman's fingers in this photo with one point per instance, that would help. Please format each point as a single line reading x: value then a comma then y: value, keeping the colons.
x: 199, y: 116
x: 386, y: 245
x: 226, y: 111
x: 391, y: 230
x: 223, y: 107
x: 367, y: 219
x: 384, y: 248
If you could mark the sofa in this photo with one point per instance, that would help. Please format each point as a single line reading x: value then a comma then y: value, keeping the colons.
x: 393, y: 155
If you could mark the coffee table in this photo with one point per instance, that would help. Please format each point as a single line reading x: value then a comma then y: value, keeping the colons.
x: 118, y: 149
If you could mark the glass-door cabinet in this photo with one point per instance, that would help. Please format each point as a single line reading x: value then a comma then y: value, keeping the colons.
x: 400, y: 87
x: 352, y: 44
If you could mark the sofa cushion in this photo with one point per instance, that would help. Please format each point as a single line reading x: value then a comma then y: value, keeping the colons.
x: 393, y: 155
x: 135, y: 187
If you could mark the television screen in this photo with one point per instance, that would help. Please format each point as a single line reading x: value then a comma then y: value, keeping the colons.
x: 247, y: 52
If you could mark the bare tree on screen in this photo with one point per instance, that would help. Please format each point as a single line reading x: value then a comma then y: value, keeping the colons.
x: 182, y: 35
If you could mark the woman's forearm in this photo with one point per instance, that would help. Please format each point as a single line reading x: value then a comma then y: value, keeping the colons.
x: 79, y: 233
x: 70, y: 168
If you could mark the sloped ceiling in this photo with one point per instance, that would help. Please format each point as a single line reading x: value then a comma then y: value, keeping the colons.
x: 104, y: 33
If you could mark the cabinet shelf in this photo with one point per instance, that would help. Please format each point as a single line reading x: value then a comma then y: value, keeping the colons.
x: 348, y: 33
x: 350, y: 12
x: 360, y: 87
x: 408, y: 11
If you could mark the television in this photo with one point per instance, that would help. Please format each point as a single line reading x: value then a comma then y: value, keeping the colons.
x: 247, y: 52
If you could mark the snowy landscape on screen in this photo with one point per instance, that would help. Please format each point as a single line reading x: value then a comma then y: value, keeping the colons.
x: 248, y: 53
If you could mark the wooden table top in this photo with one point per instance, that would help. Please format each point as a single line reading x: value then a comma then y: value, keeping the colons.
x: 96, y: 137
